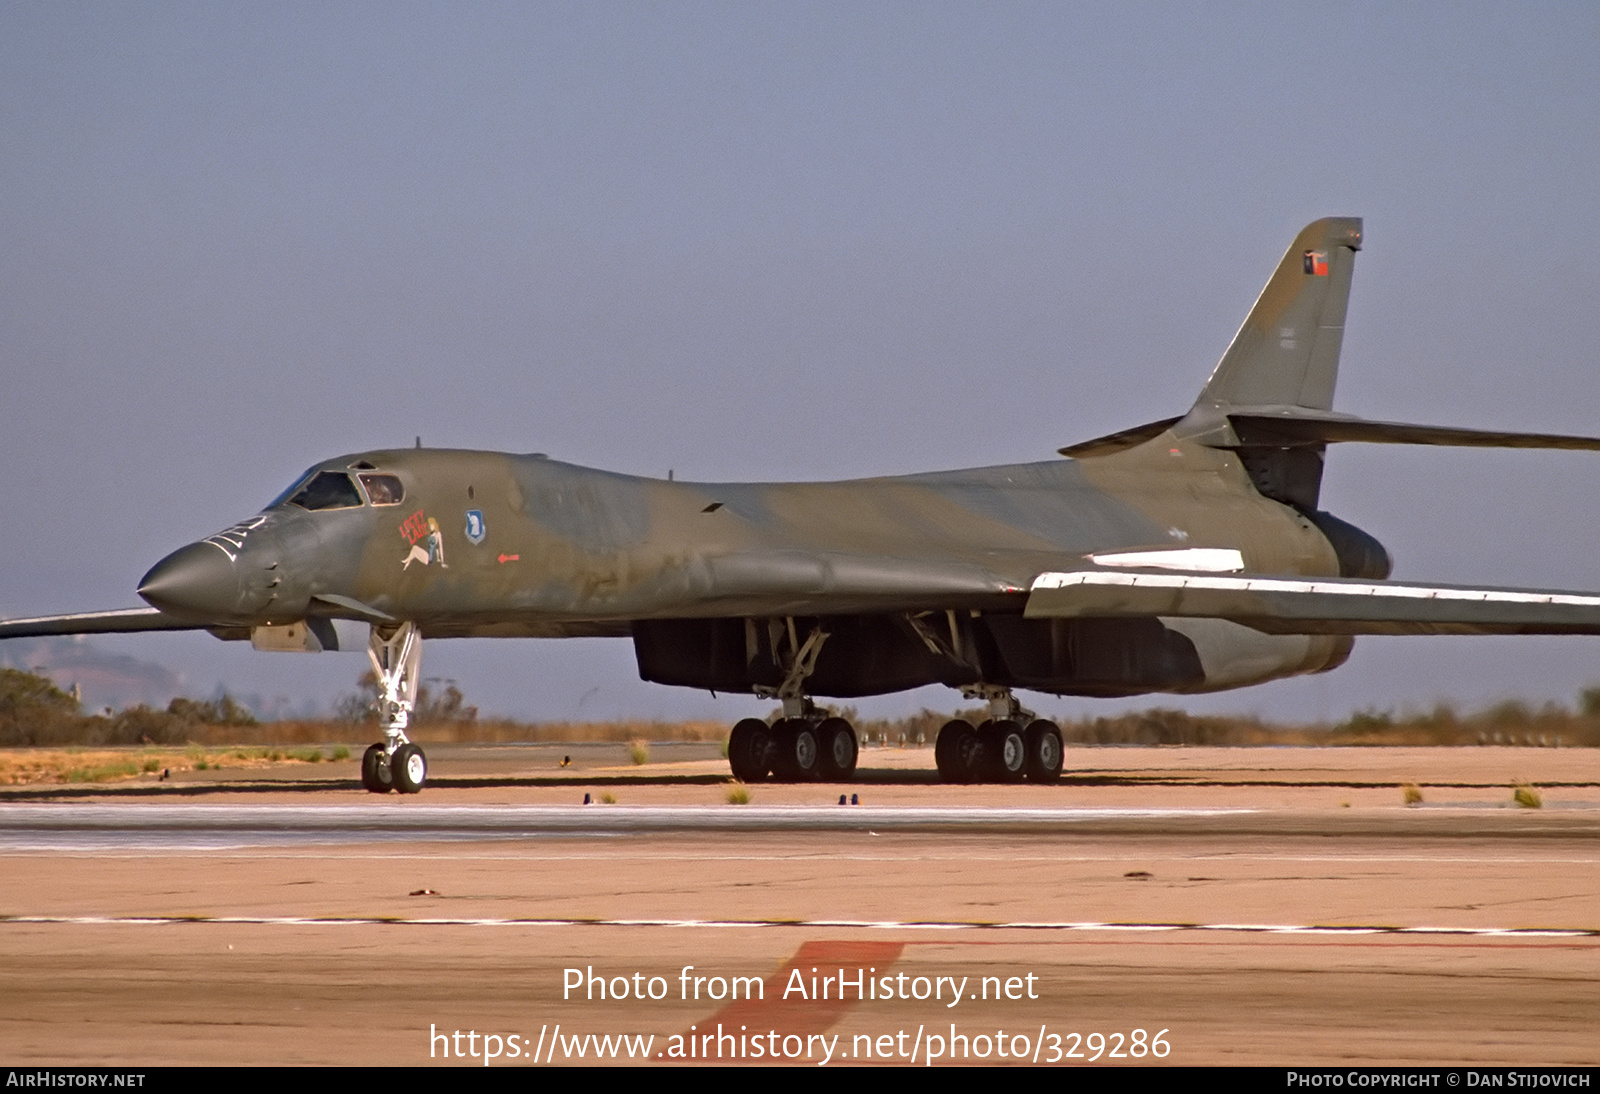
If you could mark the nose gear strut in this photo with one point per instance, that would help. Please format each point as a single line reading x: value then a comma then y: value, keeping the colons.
x: 396, y: 764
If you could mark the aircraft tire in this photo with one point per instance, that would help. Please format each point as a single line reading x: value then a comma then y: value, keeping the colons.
x: 375, y: 771
x: 1005, y: 751
x: 795, y: 752
x: 410, y: 768
x: 838, y: 750
x: 1045, y: 752
x: 750, y: 750
x: 956, y: 751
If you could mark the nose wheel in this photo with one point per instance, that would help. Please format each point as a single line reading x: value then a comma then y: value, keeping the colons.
x: 405, y: 771
x: 409, y: 767
x: 376, y: 774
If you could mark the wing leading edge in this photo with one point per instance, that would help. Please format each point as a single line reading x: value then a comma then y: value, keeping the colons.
x: 121, y: 621
x: 1282, y: 605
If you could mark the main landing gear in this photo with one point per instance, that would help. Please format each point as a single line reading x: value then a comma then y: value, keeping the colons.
x: 396, y: 764
x: 1010, y: 746
x: 1006, y: 748
x: 804, y: 745
x: 805, y: 748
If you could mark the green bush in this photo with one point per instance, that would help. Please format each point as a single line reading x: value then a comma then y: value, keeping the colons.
x: 33, y: 711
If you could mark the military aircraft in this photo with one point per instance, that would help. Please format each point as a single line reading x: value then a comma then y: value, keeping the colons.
x: 1186, y: 555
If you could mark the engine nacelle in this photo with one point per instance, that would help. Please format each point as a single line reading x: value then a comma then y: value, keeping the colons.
x: 1359, y: 554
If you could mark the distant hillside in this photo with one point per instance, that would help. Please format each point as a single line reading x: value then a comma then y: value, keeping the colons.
x: 99, y: 679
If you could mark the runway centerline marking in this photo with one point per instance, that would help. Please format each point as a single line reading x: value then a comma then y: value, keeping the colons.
x: 775, y: 855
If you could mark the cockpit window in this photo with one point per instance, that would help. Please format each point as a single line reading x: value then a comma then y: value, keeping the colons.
x: 294, y: 488
x: 327, y: 490
x: 384, y: 489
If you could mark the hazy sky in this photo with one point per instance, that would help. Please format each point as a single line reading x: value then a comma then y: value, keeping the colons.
x: 776, y: 241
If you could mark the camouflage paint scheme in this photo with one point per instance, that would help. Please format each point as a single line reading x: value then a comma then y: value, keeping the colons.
x: 573, y: 551
x: 992, y: 578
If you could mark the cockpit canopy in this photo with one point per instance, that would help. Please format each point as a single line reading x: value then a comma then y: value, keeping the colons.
x: 319, y: 490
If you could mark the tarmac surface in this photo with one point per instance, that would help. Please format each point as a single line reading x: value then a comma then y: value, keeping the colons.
x: 1173, y: 905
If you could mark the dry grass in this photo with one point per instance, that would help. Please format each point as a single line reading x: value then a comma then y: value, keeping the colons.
x: 1411, y: 793
x: 1526, y: 797
x: 738, y: 794
x: 482, y: 731
x: 22, y: 766
x: 1509, y: 723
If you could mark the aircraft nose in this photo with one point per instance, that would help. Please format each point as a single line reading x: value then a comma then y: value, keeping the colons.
x: 198, y: 581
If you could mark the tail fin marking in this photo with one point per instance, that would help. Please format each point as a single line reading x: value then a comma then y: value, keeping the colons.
x: 1287, y: 351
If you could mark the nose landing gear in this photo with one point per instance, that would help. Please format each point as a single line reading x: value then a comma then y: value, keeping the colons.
x: 396, y: 764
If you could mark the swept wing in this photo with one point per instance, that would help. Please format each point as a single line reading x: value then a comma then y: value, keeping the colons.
x: 121, y: 621
x: 1284, y: 605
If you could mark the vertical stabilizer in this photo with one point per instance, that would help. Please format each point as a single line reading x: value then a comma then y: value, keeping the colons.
x: 1287, y: 352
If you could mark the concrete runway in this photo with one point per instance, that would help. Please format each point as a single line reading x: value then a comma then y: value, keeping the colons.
x: 1228, y: 897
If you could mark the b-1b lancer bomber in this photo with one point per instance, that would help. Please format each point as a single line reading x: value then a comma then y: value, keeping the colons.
x: 1186, y: 555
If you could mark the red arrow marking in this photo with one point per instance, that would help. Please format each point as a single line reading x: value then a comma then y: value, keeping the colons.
x: 510, y: 558
x: 808, y: 1016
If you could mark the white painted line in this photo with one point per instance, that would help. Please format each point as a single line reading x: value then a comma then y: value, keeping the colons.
x: 1332, y: 930
x: 605, y: 854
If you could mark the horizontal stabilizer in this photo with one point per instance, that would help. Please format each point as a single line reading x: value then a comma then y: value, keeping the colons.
x: 1297, y: 427
x: 121, y: 621
x: 1279, y: 605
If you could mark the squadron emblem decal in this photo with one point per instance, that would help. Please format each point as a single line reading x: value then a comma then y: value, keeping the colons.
x: 427, y: 541
x: 476, y: 529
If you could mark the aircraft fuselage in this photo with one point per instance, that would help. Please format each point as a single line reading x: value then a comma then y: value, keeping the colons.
x: 498, y: 545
